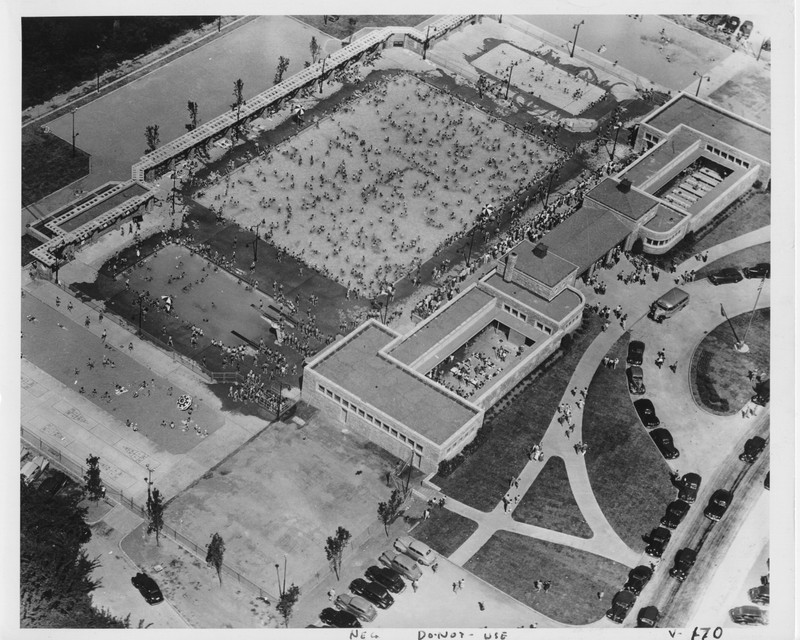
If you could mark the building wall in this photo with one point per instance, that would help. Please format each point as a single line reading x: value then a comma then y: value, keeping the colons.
x: 652, y: 240
x: 735, y: 191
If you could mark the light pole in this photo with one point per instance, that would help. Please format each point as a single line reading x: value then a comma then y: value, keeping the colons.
x: 553, y: 174
x: 616, y: 135
x: 74, y: 135
x: 278, y: 572
x: 255, y: 240
x: 577, y: 28
x: 174, y: 176
x: 427, y: 39
x: 486, y: 216
x: 322, y: 73
x: 699, y: 82
x: 148, y: 479
x: 741, y: 346
x: 510, y: 71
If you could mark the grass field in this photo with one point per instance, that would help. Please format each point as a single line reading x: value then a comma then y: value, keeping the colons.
x: 512, y: 562
x: 444, y: 531
x: 482, y: 479
x: 342, y: 28
x: 717, y: 368
x: 550, y: 503
x: 744, y: 258
x: 629, y: 477
x: 48, y: 164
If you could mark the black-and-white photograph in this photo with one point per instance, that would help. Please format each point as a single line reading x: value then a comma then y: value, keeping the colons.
x: 417, y: 323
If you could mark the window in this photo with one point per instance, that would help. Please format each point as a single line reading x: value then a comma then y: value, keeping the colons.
x: 394, y: 432
x: 336, y: 397
x: 418, y: 447
x: 385, y: 426
x: 402, y: 438
x: 320, y: 388
x: 361, y: 412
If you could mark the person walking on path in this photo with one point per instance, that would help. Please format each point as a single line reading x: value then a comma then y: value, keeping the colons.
x: 331, y: 594
x: 414, y: 585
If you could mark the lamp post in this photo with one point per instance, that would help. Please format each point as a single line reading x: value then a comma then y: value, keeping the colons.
x: 279, y: 403
x: 741, y: 346
x: 427, y: 40
x: 140, y: 299
x: 699, y: 82
x: 74, y: 135
x: 616, y: 135
x: 322, y: 73
x: 255, y: 240
x: 577, y: 28
x: 148, y: 479
x: 510, y: 71
x: 486, y: 216
x: 278, y: 572
x: 553, y: 174
x: 174, y: 176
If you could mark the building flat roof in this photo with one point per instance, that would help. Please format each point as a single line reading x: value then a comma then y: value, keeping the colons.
x: 664, y: 220
x: 549, y: 270
x: 587, y: 235
x: 661, y: 155
x: 420, y: 404
x: 714, y: 122
x: 632, y: 204
x: 440, y: 325
x: 557, y: 309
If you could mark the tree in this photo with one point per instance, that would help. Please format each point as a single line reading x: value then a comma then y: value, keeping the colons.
x: 155, y: 513
x: 315, y: 48
x: 388, y: 511
x: 151, y: 135
x: 94, y: 486
x: 286, y: 603
x: 283, y: 65
x: 238, y: 94
x: 216, y: 550
x: 334, y: 549
x: 193, y: 116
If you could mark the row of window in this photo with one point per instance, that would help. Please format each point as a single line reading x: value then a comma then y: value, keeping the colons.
x: 518, y: 314
x: 369, y: 417
x: 727, y: 156
x: 460, y: 439
x: 649, y: 137
x: 661, y: 243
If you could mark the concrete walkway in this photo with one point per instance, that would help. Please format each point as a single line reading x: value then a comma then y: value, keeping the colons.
x: 605, y: 542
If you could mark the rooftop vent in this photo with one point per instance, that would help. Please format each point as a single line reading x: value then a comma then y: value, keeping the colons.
x: 540, y: 250
x: 624, y: 185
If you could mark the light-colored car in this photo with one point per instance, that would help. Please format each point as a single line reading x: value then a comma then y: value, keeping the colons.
x: 402, y: 564
x: 356, y: 605
x: 415, y: 550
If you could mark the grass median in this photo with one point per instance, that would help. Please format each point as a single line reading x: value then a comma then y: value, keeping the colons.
x: 445, y: 531
x: 629, y: 477
x: 48, y: 164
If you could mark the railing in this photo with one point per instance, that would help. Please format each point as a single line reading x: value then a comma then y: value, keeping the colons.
x: 77, y: 471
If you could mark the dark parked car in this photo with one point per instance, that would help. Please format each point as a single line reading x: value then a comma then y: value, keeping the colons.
x: 148, y: 588
x: 663, y: 440
x: 373, y: 592
x: 703, y: 17
x: 749, y: 614
x: 766, y: 481
x: 387, y: 578
x: 635, y: 352
x: 621, y: 605
x: 759, y: 594
x: 745, y: 30
x: 676, y: 512
x: 684, y: 561
x: 647, y: 413
x: 638, y: 578
x: 690, y: 484
x: 648, y: 617
x: 718, y: 504
x: 752, y: 449
x: 339, y: 619
x: 659, y: 539
x: 760, y: 270
x: 715, y: 20
x: 761, y: 396
x: 53, y: 484
x: 726, y: 276
x: 731, y: 24
x: 636, y: 380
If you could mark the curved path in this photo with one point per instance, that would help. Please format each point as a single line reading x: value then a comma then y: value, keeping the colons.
x: 685, y: 329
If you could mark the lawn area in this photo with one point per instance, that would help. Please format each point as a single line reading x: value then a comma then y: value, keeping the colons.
x: 718, y: 370
x: 516, y: 422
x: 550, y: 503
x: 746, y: 215
x: 29, y: 243
x: 744, y: 258
x: 629, y: 477
x: 48, y: 165
x: 445, y: 531
x: 511, y: 562
x: 343, y: 27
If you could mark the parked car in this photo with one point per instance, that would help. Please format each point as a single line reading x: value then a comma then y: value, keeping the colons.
x: 404, y: 565
x: 148, y: 588
x: 745, y: 30
x: 373, y: 592
x: 749, y: 615
x: 704, y: 17
x: 339, y: 619
x: 669, y: 304
x: 34, y: 468
x: 356, y: 605
x: 53, y: 484
x: 760, y: 270
x: 648, y: 617
x: 759, y: 594
x: 684, y: 561
x: 415, y: 550
x: 635, y: 352
x: 690, y: 485
x: 388, y: 578
x: 718, y: 504
x: 761, y: 396
x: 638, y: 578
x: 659, y: 539
x: 766, y: 481
x: 647, y: 413
x: 726, y: 276
x: 663, y: 440
x: 621, y: 605
x: 752, y: 449
x: 716, y: 21
x: 731, y: 24
x: 636, y: 380
x: 676, y: 512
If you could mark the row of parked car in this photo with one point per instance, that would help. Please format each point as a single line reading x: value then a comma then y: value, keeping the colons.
x: 727, y: 24
x: 730, y: 275
x: 381, y: 582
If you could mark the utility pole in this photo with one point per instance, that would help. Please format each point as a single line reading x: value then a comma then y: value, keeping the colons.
x: 616, y: 135
x: 74, y: 135
x: 741, y: 346
x: 510, y: 71
x: 577, y: 28
x: 148, y: 479
x: 322, y: 74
